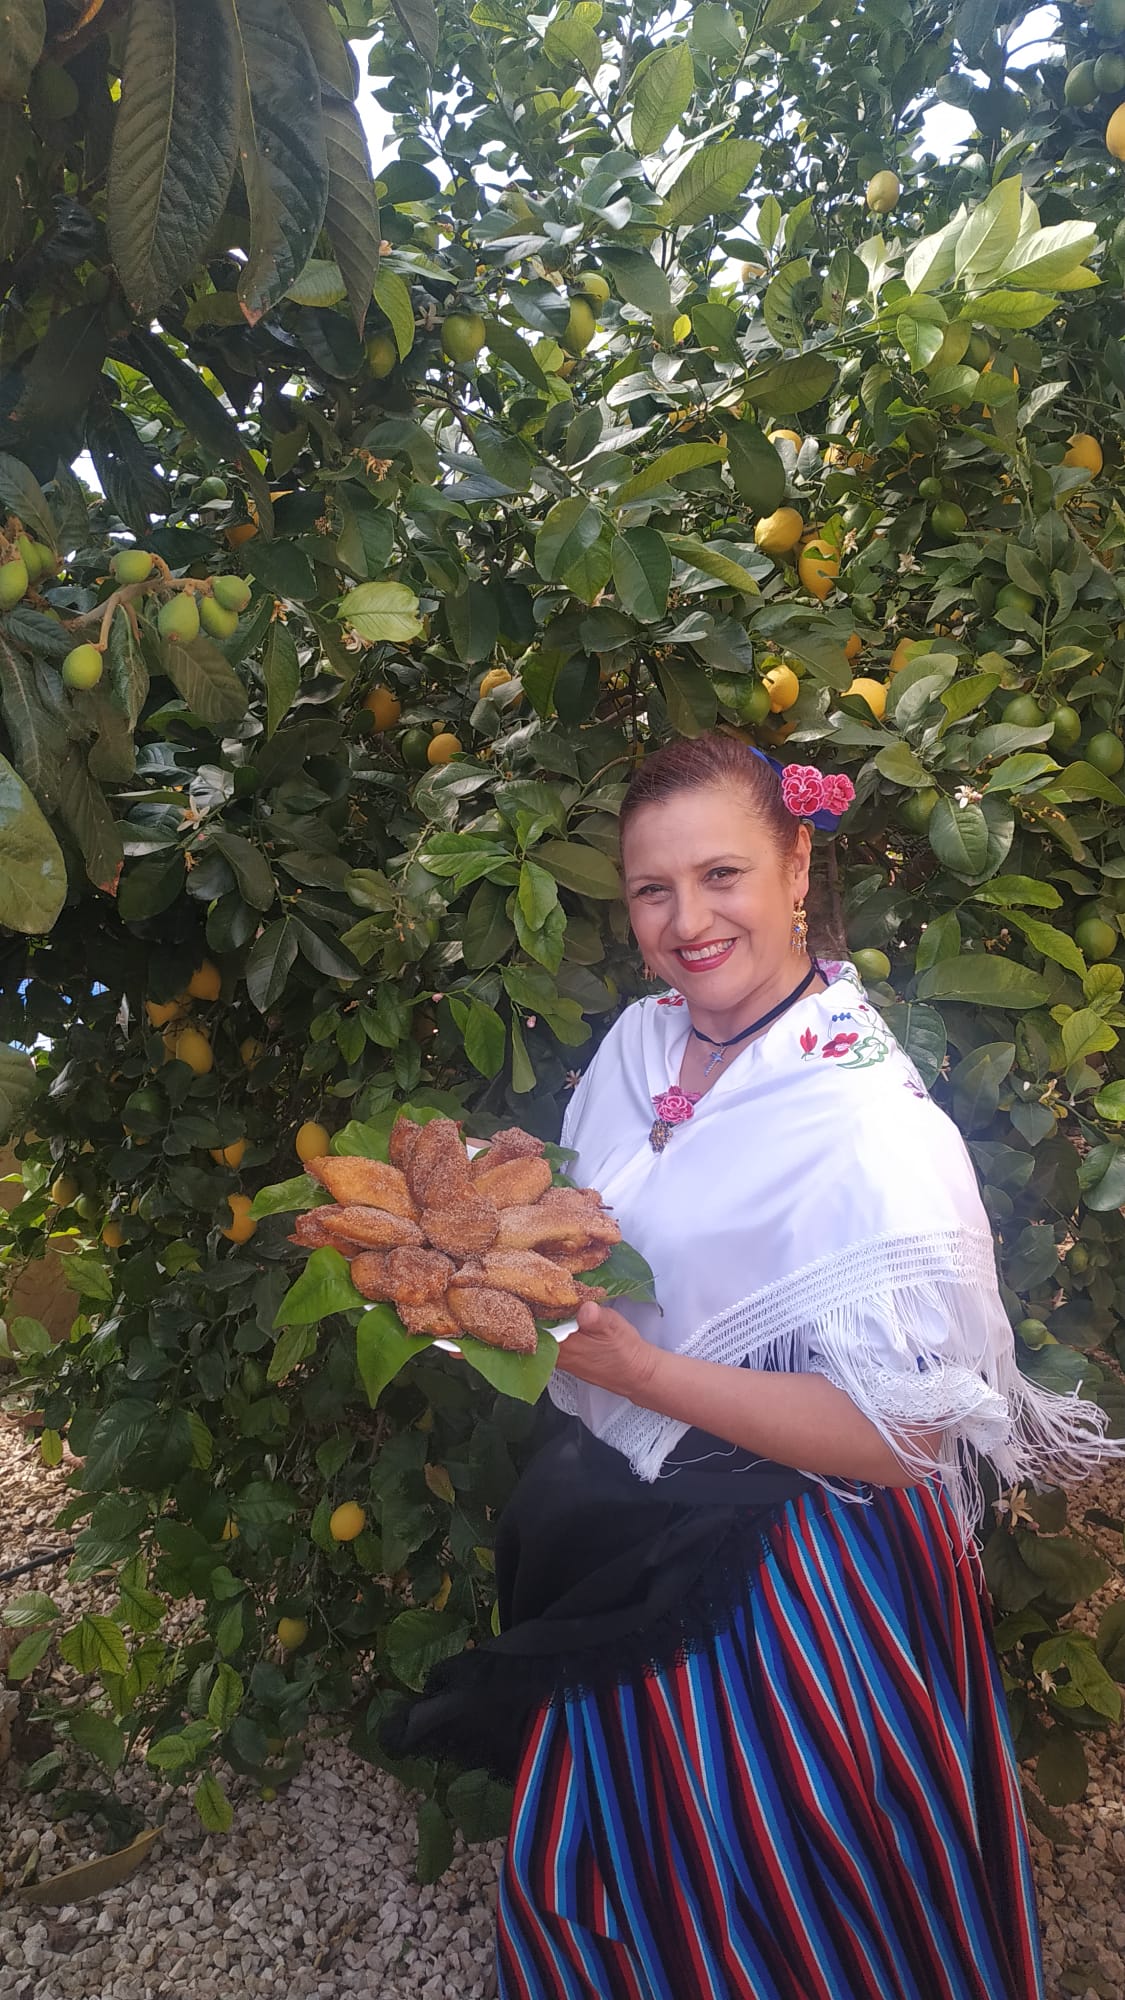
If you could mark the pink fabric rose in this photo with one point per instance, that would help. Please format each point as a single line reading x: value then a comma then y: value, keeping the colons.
x: 838, y: 793
x: 802, y: 789
x: 674, y: 1107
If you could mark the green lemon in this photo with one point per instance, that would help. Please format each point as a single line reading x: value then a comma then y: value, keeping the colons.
x: 415, y: 747
x: 979, y: 350
x: 870, y: 964
x: 382, y: 356
x: 754, y: 702
x: 1080, y: 88
x: 593, y: 287
x: 915, y: 809
x: 464, y: 334
x: 1066, y: 726
x: 1024, y: 712
x: 1013, y: 597
x: 1105, y: 752
x: 1109, y: 74
x: 931, y: 488
x: 211, y: 488
x: 1109, y: 18
x: 1096, y: 939
x: 579, y: 330
x: 949, y: 519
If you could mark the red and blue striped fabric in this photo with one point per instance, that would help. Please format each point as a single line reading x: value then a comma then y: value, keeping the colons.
x: 823, y: 1804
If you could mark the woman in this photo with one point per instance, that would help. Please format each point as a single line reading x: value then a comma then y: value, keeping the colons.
x: 744, y: 1679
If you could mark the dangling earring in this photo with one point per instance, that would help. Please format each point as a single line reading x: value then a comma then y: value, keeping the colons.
x: 799, y: 935
x: 647, y: 972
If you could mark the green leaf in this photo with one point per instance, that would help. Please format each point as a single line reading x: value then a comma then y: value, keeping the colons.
x: 382, y: 611
x: 18, y: 1084
x: 988, y: 237
x: 664, y: 467
x: 1007, y: 892
x: 638, y: 278
x: 898, y: 763
x: 1085, y: 1033
x: 662, y: 91
x: 523, y: 1073
x: 920, y: 1031
x: 286, y: 1197
x: 95, y: 1646
x: 420, y: 23
x: 481, y: 1807
x: 691, y: 699
x: 484, y: 1034
x: 714, y: 180
x: 983, y: 981
x: 206, y: 680
x: 959, y: 836
x: 755, y: 467
x: 1051, y: 942
x: 175, y: 143
x: 1061, y: 1771
x: 472, y: 616
x: 23, y: 29
x: 537, y: 893
x: 435, y: 1843
x: 487, y: 935
x: 782, y: 311
x: 787, y: 387
x: 33, y: 877
x: 383, y: 1347
x: 281, y: 149
x: 642, y: 573
x: 321, y: 283
x: 715, y: 562
x: 1084, y: 781
x: 392, y: 295
x: 324, y: 1286
x: 976, y: 1084
x: 1050, y: 256
x: 1101, y: 1177
x: 90, y: 822
x: 1069, y: 1568
x: 225, y: 1698
x: 504, y: 458
x: 281, y: 672
x: 296, y: 1344
x: 20, y: 491
x: 212, y: 1804
x: 28, y: 1653
x: 187, y: 394
x: 270, y: 962
x: 524, y: 1376
x: 416, y: 1640
x: 569, y: 531
x: 1110, y: 1103
x: 571, y: 37
x: 584, y: 869
x: 351, y: 214
x: 99, y: 1737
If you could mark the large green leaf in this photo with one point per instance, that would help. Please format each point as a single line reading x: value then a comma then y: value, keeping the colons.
x: 382, y: 611
x: 755, y: 467
x: 17, y: 1090
x: 206, y: 680
x: 416, y: 1640
x: 584, y: 869
x: 419, y: 19
x: 23, y: 28
x: 90, y: 822
x: 524, y: 1376
x: 351, y: 214
x: 383, y: 1347
x: 785, y: 387
x: 204, y: 416
x: 33, y: 874
x: 175, y: 144
x: 714, y: 180
x: 662, y: 91
x: 665, y: 466
x: 983, y: 982
x: 324, y: 1286
x: 282, y: 150
x: 570, y: 529
x: 642, y: 573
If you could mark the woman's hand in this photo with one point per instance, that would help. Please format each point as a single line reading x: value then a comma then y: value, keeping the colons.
x: 608, y: 1352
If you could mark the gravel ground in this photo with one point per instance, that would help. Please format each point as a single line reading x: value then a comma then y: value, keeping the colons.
x: 312, y: 1894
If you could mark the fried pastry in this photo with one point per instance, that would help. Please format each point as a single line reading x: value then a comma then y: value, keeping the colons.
x: 372, y: 1183
x: 511, y: 1144
x: 434, y: 1318
x: 528, y: 1276
x: 369, y: 1275
x: 494, y: 1317
x: 514, y: 1182
x: 309, y: 1230
x: 371, y: 1228
x: 438, y: 1167
x: 536, y: 1225
x: 403, y: 1139
x: 462, y: 1227
x: 417, y: 1276
x: 586, y: 1258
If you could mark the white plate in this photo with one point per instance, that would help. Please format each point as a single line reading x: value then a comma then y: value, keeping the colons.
x: 562, y: 1331
x: 564, y: 1328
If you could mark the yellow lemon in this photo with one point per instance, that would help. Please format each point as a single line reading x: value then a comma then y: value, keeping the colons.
x: 442, y: 747
x: 346, y: 1522
x: 229, y: 1156
x: 311, y: 1142
x: 874, y: 693
x: 251, y: 1052
x: 779, y: 532
x: 1115, y: 133
x: 161, y: 1012
x: 1084, y: 451
x: 291, y: 1633
x: 190, y: 1046
x: 782, y: 686
x: 904, y: 652
x: 242, y: 1224
x: 229, y: 1530
x: 113, y: 1236
x: 791, y: 437
x: 853, y: 647
x: 206, y: 982
x: 495, y: 677
x: 818, y: 568
x: 382, y: 706
x: 883, y: 191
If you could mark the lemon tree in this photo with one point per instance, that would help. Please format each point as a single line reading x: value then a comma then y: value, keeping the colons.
x: 623, y: 401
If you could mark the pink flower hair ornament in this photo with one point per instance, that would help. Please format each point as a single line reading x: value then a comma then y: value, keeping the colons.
x: 810, y: 794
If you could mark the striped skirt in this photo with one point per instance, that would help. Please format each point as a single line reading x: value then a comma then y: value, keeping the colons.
x: 822, y: 1804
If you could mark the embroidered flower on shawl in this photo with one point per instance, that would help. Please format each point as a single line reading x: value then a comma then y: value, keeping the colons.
x: 675, y: 1106
x: 839, y: 1045
x: 838, y: 792
x: 670, y: 1000
x: 809, y: 1041
x: 802, y: 789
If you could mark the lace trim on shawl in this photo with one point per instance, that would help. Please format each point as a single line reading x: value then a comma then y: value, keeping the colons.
x: 819, y: 1321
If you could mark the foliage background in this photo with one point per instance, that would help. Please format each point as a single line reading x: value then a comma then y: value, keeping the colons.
x: 249, y: 336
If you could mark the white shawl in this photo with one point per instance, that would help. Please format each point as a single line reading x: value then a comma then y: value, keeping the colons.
x: 817, y: 1213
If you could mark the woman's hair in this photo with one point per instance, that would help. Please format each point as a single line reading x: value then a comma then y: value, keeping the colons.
x: 699, y: 763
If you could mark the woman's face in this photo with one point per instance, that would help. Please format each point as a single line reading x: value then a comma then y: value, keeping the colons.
x: 711, y: 896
